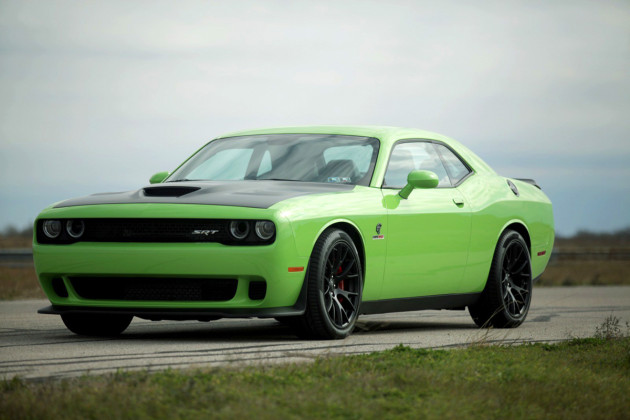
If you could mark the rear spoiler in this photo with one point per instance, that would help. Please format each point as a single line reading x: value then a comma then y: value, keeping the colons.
x: 529, y: 181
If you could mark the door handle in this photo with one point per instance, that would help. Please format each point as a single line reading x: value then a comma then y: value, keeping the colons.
x: 458, y: 201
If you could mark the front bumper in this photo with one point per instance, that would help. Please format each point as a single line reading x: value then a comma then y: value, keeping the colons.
x: 207, y: 261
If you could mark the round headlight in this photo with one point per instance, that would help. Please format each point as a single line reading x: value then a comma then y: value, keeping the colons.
x: 75, y: 228
x: 239, y: 229
x: 52, y: 228
x: 265, y: 229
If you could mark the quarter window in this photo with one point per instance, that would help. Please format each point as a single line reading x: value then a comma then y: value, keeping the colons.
x: 454, y: 166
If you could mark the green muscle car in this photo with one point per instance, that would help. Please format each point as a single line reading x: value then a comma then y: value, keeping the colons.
x: 313, y: 226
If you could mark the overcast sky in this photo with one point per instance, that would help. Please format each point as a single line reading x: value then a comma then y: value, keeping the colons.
x: 98, y: 96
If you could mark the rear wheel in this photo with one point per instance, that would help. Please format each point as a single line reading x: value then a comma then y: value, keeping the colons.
x: 96, y: 324
x: 505, y: 301
x: 334, y: 288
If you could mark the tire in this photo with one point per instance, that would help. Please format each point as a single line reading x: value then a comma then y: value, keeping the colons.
x: 96, y: 324
x: 334, y: 288
x: 504, y: 302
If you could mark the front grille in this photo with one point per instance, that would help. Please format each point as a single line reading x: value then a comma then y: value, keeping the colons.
x: 154, y: 289
x: 155, y: 230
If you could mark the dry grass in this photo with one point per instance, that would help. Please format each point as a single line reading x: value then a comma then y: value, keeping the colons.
x: 586, y: 273
x: 19, y: 283
x: 12, y: 242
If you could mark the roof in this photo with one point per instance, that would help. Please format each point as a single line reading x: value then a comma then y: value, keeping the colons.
x: 383, y: 133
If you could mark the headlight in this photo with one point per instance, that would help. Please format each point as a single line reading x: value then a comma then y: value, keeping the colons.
x: 239, y: 229
x: 265, y: 229
x: 75, y: 228
x: 52, y: 228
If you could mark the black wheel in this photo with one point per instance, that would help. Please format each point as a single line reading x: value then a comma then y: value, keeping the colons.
x: 505, y: 300
x: 96, y: 324
x: 334, y: 288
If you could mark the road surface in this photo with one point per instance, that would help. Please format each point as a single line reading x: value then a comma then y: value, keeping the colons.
x: 38, y: 346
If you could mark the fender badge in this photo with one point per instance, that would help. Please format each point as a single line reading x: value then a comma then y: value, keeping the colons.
x: 378, y: 228
x: 375, y: 237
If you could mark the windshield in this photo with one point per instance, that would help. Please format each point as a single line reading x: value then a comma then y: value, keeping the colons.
x: 291, y: 157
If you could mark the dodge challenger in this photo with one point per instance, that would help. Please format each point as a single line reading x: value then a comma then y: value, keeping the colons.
x: 312, y: 226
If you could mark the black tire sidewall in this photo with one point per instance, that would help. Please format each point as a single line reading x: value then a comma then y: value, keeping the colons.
x: 316, y: 311
x: 497, y: 276
x: 96, y: 324
x: 490, y: 310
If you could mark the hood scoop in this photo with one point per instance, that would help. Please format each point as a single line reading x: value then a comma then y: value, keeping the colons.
x: 168, y: 191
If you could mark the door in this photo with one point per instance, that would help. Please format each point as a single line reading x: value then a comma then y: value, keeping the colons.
x: 428, y: 234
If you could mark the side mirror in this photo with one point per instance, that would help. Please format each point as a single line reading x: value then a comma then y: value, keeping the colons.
x: 159, y: 177
x: 419, y: 179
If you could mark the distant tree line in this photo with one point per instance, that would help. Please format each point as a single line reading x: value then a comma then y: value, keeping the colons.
x: 622, y: 234
x: 11, y: 231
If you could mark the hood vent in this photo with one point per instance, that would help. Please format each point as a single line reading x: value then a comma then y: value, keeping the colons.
x: 168, y: 191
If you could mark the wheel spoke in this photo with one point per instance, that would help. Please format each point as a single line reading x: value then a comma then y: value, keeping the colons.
x: 332, y: 312
x: 514, y: 259
x: 345, y: 293
x: 329, y: 268
x: 512, y: 301
x: 340, y: 284
x: 347, y: 298
x: 518, y: 289
x: 343, y: 316
x: 520, y: 267
x: 346, y: 270
x: 342, y: 257
x: 328, y: 303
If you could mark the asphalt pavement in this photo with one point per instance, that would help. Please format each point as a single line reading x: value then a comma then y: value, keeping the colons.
x: 39, y: 346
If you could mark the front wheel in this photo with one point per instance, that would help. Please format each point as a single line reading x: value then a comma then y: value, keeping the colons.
x: 334, y: 287
x: 505, y: 301
x: 96, y: 324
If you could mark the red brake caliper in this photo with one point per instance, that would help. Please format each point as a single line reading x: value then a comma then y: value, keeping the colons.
x: 340, y: 285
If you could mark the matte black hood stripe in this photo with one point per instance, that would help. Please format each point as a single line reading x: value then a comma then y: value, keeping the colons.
x: 254, y: 194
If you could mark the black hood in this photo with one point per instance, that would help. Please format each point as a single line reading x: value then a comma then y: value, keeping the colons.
x: 255, y: 194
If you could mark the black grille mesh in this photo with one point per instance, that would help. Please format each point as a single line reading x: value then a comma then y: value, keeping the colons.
x: 157, y: 289
x: 155, y: 230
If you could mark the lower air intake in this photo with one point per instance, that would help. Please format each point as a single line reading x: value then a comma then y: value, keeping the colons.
x: 154, y: 289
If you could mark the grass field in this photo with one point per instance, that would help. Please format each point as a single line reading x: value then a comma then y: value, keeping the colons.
x: 586, y: 378
x: 19, y: 283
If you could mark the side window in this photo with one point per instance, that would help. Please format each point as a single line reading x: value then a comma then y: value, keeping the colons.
x: 407, y: 157
x: 229, y: 164
x: 454, y: 166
